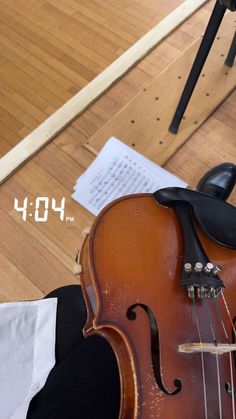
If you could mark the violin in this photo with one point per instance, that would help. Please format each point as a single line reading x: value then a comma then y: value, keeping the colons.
x: 159, y: 282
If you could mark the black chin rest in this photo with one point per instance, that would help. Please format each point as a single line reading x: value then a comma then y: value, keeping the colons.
x: 216, y: 217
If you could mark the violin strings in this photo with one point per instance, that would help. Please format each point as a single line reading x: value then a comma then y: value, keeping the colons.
x: 232, y: 383
x: 230, y: 354
x: 217, y: 358
x: 228, y: 312
x: 202, y: 361
x: 209, y: 320
x: 220, y: 317
x: 218, y: 380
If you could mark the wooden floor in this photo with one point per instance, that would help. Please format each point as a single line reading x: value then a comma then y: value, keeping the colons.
x: 49, y: 50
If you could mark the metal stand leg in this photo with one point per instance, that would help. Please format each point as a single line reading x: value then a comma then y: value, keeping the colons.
x: 204, y: 49
x: 232, y: 53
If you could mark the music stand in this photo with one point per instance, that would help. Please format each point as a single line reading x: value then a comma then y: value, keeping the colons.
x: 212, y: 28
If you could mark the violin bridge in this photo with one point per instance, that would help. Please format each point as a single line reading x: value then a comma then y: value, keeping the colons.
x: 219, y: 348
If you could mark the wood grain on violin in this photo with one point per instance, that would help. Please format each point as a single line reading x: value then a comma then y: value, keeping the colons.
x: 131, y: 270
x: 35, y: 259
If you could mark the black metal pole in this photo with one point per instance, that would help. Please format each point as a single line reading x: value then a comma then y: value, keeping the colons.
x: 232, y: 53
x: 204, y: 49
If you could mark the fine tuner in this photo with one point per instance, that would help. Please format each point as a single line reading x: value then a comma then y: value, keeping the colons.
x: 198, y: 287
x: 198, y: 267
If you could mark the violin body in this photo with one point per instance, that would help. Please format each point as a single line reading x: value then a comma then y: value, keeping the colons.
x: 131, y: 263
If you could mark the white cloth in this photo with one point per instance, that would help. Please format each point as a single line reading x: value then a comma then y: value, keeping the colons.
x: 27, y: 353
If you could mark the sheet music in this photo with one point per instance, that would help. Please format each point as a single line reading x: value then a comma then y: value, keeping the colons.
x: 118, y: 170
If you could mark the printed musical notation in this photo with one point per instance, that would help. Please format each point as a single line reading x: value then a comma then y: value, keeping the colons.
x: 118, y: 170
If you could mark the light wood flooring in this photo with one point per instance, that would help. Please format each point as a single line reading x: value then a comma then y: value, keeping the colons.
x: 49, y: 50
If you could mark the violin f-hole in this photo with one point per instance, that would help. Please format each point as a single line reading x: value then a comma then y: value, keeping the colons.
x: 155, y: 348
